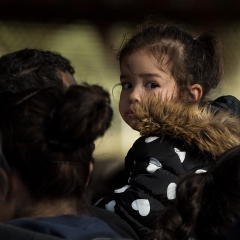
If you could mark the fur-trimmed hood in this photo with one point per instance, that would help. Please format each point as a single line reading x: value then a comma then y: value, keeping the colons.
x: 212, y: 132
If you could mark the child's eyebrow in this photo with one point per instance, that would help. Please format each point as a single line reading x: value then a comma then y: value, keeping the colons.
x: 142, y: 75
x: 123, y: 76
x: 150, y: 75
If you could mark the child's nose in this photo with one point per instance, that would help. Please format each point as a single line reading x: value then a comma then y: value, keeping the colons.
x: 135, y: 96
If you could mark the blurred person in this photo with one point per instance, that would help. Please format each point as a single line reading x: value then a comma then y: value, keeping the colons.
x: 165, y: 77
x: 207, y: 203
x: 47, y: 141
x: 28, y: 68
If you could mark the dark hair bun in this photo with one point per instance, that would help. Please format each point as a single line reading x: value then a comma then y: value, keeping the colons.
x: 81, y: 115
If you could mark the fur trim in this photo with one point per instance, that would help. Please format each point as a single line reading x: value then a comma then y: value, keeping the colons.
x: 212, y: 132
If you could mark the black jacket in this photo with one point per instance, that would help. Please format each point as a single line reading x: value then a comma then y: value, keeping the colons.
x: 177, y: 139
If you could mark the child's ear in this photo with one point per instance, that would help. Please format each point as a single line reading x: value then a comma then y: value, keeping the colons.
x: 4, y: 184
x: 196, y: 92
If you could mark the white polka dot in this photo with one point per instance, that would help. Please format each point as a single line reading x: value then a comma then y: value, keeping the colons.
x: 200, y: 171
x: 121, y: 190
x: 171, y: 191
x: 154, y: 165
x: 142, y: 206
x: 150, y: 139
x: 111, y: 206
x: 129, y: 180
x: 180, y: 154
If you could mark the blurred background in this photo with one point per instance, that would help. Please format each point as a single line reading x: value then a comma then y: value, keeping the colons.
x: 85, y: 31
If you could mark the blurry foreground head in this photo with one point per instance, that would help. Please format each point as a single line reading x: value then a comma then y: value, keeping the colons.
x: 47, y: 140
x: 34, y: 68
x: 207, y: 204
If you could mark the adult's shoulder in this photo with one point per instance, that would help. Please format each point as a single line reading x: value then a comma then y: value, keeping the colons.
x: 13, y: 232
x: 114, y: 221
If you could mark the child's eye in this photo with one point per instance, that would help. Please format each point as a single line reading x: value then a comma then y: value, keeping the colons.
x: 126, y: 85
x: 152, y: 85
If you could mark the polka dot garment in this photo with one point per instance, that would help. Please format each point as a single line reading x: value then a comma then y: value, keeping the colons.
x: 153, y: 166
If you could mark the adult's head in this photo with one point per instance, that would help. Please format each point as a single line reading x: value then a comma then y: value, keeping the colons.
x: 169, y: 58
x: 47, y: 142
x: 34, y: 68
x: 206, y: 203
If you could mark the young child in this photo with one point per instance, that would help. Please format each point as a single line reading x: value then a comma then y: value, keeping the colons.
x: 165, y: 74
x: 213, y: 200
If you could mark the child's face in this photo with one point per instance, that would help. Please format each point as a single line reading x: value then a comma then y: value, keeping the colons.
x: 140, y: 75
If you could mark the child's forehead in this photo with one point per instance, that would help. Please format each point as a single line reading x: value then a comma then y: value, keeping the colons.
x: 144, y: 59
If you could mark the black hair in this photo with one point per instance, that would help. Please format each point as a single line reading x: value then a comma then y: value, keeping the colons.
x: 190, y: 60
x: 32, y: 68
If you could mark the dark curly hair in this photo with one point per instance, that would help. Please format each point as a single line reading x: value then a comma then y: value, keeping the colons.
x: 32, y: 68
